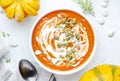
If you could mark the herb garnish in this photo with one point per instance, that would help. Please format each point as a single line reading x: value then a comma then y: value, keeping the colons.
x: 86, y: 6
x: 5, y: 34
x: 8, y: 34
x: 8, y: 60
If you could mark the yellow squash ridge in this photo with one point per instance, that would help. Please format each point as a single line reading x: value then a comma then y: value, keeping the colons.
x: 35, y: 4
x: 10, y: 11
x: 6, y: 3
x: 29, y: 10
x: 19, y: 14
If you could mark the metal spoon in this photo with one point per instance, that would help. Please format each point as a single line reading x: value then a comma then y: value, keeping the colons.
x: 52, y: 77
x: 28, y: 71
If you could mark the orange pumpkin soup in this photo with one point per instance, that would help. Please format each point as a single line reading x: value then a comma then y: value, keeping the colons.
x: 62, y: 40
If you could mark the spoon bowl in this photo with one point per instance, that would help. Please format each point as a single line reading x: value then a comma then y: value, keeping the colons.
x: 27, y: 70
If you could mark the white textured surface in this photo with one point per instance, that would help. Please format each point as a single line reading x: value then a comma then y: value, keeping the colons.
x: 107, y: 51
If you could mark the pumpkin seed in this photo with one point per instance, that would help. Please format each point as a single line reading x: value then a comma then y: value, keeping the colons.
x: 59, y: 15
x: 56, y: 37
x: 74, y: 21
x: 64, y: 20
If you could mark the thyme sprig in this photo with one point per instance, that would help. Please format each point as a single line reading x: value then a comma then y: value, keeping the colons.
x: 86, y: 6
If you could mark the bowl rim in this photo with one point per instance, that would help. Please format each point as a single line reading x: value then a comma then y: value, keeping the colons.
x: 56, y: 71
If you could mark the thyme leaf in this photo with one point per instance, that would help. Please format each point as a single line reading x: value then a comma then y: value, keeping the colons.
x: 8, y: 60
x: 3, y: 34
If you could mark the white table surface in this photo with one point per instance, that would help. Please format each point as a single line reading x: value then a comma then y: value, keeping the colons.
x: 107, y: 50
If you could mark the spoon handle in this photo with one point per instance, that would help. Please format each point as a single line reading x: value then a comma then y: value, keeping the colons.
x: 31, y: 79
x: 52, y: 77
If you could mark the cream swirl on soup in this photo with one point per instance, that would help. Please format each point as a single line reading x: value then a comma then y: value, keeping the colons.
x: 63, y: 40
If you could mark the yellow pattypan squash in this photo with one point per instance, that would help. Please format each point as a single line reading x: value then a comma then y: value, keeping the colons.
x: 104, y: 72
x: 19, y: 9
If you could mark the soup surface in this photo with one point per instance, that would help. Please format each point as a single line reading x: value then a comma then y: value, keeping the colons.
x: 62, y: 40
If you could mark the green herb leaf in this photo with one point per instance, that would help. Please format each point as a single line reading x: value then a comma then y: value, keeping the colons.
x: 8, y: 34
x: 3, y: 34
x: 8, y: 60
